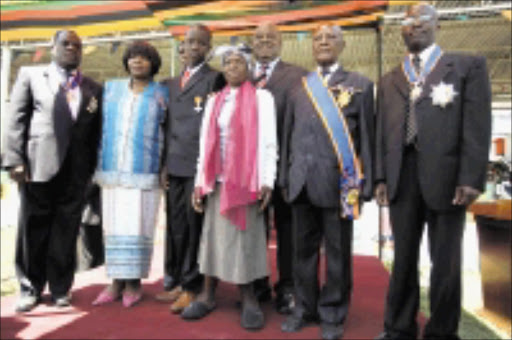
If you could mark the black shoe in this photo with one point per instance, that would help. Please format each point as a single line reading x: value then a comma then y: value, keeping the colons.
x: 293, y: 324
x: 196, y: 310
x: 26, y: 303
x: 285, y: 303
x: 62, y: 301
x: 331, y: 331
x: 252, y: 318
x: 384, y: 336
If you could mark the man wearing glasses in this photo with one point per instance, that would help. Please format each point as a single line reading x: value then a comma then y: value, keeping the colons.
x: 433, y: 138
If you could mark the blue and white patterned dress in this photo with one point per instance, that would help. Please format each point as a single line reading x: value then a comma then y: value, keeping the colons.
x: 128, y: 173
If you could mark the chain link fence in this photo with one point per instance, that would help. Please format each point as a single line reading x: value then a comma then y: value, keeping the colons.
x: 473, y: 27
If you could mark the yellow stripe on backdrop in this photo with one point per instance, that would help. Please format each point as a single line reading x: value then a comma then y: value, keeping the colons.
x: 402, y: 2
x: 41, y: 33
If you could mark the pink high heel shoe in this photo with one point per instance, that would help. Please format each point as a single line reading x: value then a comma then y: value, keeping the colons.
x: 106, y: 296
x: 131, y: 298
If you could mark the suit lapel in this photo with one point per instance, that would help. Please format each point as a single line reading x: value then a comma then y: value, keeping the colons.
x: 443, y: 66
x: 195, y: 78
x: 338, y: 77
x: 52, y: 84
x: 277, y: 75
x: 86, y: 98
x: 400, y: 82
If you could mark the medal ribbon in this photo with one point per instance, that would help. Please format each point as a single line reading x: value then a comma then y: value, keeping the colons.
x: 410, y: 73
x: 333, y: 120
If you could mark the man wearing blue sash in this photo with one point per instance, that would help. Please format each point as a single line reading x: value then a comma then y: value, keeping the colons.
x: 326, y: 172
x: 433, y: 138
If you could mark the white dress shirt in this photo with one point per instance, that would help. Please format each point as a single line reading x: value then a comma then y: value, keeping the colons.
x: 333, y: 68
x: 270, y: 68
x: 424, y: 55
x: 194, y: 69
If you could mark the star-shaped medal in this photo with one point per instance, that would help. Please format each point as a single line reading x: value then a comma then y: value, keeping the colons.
x: 443, y: 94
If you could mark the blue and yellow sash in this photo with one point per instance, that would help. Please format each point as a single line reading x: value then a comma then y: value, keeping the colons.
x: 351, y: 177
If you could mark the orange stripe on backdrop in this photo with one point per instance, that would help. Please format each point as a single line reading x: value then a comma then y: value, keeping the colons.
x: 103, y: 7
x: 346, y: 8
x: 354, y: 21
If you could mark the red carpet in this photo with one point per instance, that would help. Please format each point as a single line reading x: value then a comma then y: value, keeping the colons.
x: 152, y: 320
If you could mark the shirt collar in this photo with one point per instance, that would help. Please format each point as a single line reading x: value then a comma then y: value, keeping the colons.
x: 195, y: 69
x: 270, y: 67
x: 425, y: 54
x: 333, y: 68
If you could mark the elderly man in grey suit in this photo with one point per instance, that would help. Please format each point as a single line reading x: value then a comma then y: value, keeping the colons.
x: 51, y: 150
x: 326, y: 169
x: 279, y: 77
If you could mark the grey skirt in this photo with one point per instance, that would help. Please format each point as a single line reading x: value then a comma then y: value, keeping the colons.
x: 228, y: 253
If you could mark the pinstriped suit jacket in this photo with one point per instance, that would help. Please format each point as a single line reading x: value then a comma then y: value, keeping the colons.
x: 308, y: 158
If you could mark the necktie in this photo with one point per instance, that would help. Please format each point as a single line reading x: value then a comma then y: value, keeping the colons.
x: 416, y: 63
x: 261, y: 78
x: 184, y: 78
x: 325, y: 71
x: 411, y: 124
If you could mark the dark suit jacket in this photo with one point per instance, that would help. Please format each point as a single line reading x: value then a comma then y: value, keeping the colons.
x: 453, y: 142
x: 283, y: 79
x: 40, y: 130
x: 308, y: 158
x: 184, y: 121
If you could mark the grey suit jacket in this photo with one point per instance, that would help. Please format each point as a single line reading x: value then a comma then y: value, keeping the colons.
x: 453, y: 141
x: 186, y: 107
x: 308, y: 157
x: 39, y: 132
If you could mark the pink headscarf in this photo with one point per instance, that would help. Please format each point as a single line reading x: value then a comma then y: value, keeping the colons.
x: 240, y: 168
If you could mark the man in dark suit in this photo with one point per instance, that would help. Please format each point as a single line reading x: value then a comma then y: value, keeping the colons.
x: 326, y: 168
x: 277, y: 76
x: 433, y: 137
x: 188, y: 94
x: 51, y: 151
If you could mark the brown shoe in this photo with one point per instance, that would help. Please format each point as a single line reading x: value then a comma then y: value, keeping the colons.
x: 169, y: 296
x: 183, y: 301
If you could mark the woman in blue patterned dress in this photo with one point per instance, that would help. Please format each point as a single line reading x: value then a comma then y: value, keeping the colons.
x: 128, y: 172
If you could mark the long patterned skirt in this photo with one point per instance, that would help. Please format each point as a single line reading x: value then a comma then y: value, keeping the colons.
x: 129, y: 220
x: 228, y: 253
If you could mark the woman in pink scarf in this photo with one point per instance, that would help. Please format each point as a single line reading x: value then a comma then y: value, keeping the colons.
x: 235, y: 175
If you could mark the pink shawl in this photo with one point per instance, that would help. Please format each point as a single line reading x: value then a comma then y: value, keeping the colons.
x: 240, y: 168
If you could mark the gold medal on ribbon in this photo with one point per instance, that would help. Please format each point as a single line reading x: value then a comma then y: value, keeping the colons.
x: 415, y: 92
x: 353, y: 197
x: 197, y: 101
x: 344, y: 97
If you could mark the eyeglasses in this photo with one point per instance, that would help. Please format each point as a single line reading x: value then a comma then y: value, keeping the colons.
x: 422, y: 19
